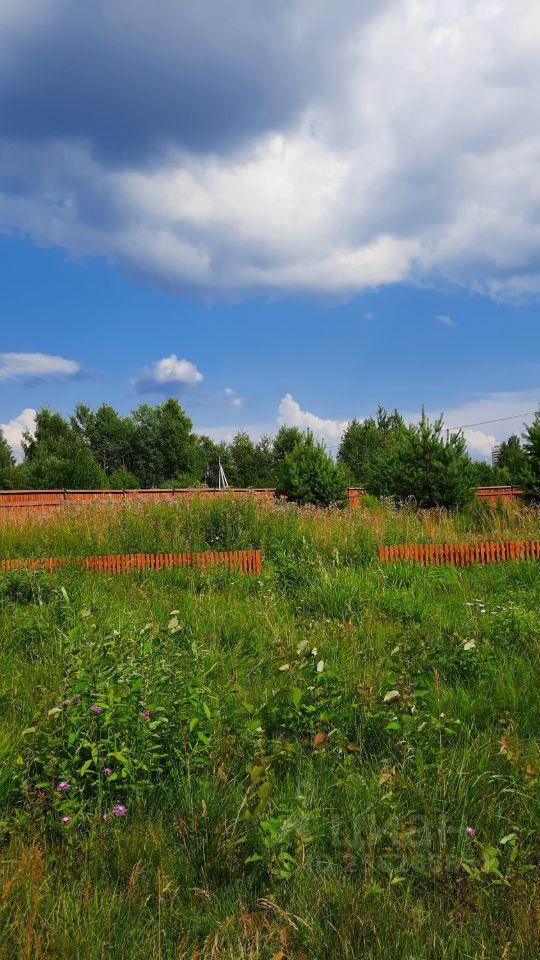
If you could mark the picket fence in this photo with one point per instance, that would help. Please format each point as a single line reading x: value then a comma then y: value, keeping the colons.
x: 461, y: 554
x: 245, y: 561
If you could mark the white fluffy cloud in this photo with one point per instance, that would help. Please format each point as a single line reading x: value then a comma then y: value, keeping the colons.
x: 14, y: 429
x: 445, y: 320
x: 291, y: 414
x: 35, y: 366
x: 479, y: 443
x: 165, y: 374
x: 399, y: 141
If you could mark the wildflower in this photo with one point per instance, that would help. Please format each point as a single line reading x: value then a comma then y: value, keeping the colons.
x: 95, y: 708
x: 65, y: 821
x: 145, y: 714
x: 67, y: 703
x: 119, y: 810
x: 108, y: 771
x: 77, y: 699
x: 470, y: 831
x: 63, y: 786
x: 105, y: 817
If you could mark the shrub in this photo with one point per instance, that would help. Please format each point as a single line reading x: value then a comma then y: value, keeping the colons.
x: 122, y: 479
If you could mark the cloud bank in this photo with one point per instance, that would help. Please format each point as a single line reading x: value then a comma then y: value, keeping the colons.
x: 229, y: 147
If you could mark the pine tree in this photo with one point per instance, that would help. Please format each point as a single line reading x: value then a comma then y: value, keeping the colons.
x: 309, y: 475
x: 531, y: 446
x: 434, y: 471
x: 6, y: 456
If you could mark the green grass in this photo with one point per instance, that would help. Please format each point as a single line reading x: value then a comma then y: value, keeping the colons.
x: 318, y: 739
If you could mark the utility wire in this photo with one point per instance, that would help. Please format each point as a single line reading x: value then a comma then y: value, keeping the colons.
x: 482, y: 423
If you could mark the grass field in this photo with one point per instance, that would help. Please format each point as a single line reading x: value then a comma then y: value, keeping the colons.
x: 335, y: 759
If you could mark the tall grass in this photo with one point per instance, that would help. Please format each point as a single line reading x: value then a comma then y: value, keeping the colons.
x: 299, y: 754
x: 228, y: 525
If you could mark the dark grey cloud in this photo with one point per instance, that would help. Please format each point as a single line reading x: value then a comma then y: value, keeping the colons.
x: 228, y: 147
x: 131, y: 78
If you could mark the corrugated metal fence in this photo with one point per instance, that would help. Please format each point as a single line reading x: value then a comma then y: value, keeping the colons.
x: 16, y: 503
x: 461, y: 554
x: 246, y: 561
x: 490, y: 494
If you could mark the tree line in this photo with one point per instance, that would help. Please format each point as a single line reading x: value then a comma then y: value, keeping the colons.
x: 155, y: 446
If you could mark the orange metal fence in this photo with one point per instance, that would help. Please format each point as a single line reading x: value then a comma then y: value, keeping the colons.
x: 246, y: 561
x: 14, y: 503
x: 461, y: 554
x: 498, y: 493
x: 490, y: 494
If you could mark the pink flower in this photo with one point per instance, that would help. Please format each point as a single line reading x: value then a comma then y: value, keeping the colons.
x: 119, y: 810
x: 105, y: 817
x: 63, y: 786
x: 95, y: 708
x: 77, y: 699
x: 108, y: 771
x: 65, y: 821
x: 470, y: 831
x: 67, y: 703
x: 145, y: 714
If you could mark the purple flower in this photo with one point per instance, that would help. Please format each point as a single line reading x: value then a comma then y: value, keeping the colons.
x: 65, y: 821
x: 63, y: 786
x: 470, y: 831
x: 145, y: 714
x: 119, y: 810
x: 67, y: 703
x: 95, y: 708
x: 108, y: 771
x: 77, y: 699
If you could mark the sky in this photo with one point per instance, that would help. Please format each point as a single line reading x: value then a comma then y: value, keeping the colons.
x: 287, y: 212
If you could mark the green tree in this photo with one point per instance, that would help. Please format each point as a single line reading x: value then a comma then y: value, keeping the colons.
x: 57, y: 456
x: 264, y: 458
x: 309, y: 475
x: 244, y: 459
x: 284, y: 442
x: 486, y: 475
x: 6, y: 455
x: 51, y: 432
x: 434, y: 470
x: 512, y: 459
x: 378, y: 453
x: 531, y: 446
x: 14, y: 477
x: 358, y: 445
x: 109, y: 436
x: 164, y: 447
x: 7, y: 462
x: 122, y: 479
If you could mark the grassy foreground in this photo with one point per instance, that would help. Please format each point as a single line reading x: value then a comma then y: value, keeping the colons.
x: 335, y: 759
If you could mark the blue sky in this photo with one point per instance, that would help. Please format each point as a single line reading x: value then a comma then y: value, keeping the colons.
x: 279, y: 219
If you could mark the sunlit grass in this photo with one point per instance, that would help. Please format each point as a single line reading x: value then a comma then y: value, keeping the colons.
x: 318, y: 740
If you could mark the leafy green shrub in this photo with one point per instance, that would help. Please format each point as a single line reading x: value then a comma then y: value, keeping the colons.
x: 122, y: 479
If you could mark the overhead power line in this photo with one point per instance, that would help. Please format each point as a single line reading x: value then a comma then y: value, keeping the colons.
x: 482, y: 423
